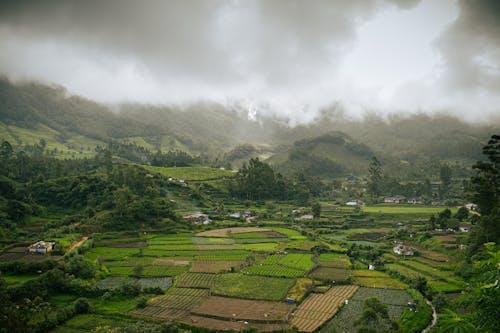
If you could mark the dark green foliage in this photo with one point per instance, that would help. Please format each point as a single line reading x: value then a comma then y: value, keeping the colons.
x: 79, y: 267
x: 375, y: 178
x: 316, y: 210
x: 81, y: 305
x: 462, y: 214
x: 374, y: 317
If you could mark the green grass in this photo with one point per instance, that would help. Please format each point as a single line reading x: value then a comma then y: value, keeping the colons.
x: 17, y: 279
x: 116, y: 305
x: 191, y: 173
x: 251, y: 287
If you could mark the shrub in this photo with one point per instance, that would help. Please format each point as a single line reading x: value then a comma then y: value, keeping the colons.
x: 81, y: 305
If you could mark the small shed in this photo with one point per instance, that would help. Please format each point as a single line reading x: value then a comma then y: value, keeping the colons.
x: 41, y: 247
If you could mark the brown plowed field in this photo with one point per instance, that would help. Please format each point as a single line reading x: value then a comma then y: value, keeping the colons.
x: 318, y: 308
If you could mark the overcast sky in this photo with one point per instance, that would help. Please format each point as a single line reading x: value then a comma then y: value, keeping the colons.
x: 289, y: 57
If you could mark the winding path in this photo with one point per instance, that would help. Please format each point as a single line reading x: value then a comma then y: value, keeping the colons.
x: 434, y: 317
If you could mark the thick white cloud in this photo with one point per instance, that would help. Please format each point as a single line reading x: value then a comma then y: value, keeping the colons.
x: 289, y: 57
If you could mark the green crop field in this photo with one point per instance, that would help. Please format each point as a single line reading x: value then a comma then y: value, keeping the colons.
x: 191, y: 173
x: 412, y: 210
x: 251, y: 287
x: 273, y: 270
x: 335, y: 260
x: 163, y: 270
x: 290, y: 233
x: 298, y: 261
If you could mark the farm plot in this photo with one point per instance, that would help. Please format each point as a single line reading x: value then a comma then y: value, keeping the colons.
x: 152, y: 271
x: 344, y: 320
x: 116, y: 282
x: 336, y: 260
x: 236, y: 326
x: 176, y: 305
x: 227, y: 232
x: 212, y: 241
x: 228, y: 255
x: 298, y: 261
x: 318, y: 308
x: 251, y: 287
x: 170, y: 262
x: 251, y: 310
x: 130, y: 261
x: 449, y: 284
x: 111, y: 253
x: 273, y: 270
x: 208, y: 247
x: 375, y: 279
x: 331, y: 274
x: 259, y: 247
x: 196, y: 280
x: 257, y: 235
x: 386, y: 296
x: 215, y: 266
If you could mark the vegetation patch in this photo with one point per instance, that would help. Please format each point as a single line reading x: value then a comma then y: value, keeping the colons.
x: 300, y: 289
x: 331, y: 274
x: 215, y: 266
x: 336, y: 260
x: 251, y: 287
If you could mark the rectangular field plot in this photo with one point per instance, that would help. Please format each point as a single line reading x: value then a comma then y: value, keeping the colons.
x: 215, y: 266
x: 273, y: 270
x: 236, y: 326
x: 206, y: 247
x: 376, y: 279
x: 251, y: 287
x: 170, y: 262
x: 331, y: 274
x: 196, y: 280
x: 234, y: 308
x: 154, y: 271
x: 259, y: 247
x: 336, y: 260
x: 227, y: 232
x: 115, y: 282
x: 176, y: 305
x: 386, y: 296
x: 318, y: 308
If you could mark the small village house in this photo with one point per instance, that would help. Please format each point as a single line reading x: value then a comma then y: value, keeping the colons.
x: 404, y: 250
x: 395, y: 200
x: 41, y: 247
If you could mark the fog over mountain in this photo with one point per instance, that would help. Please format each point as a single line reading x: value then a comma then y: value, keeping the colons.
x: 286, y: 57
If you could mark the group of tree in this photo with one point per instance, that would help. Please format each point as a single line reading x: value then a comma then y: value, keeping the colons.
x: 258, y: 181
